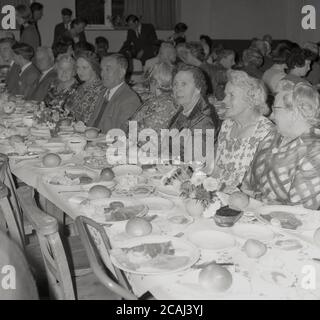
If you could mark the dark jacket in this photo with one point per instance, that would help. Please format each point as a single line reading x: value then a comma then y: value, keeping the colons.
x: 146, y: 42
x: 42, y: 87
x: 67, y: 34
x: 203, y: 117
x: 12, y: 79
x: 115, y: 113
x: 31, y: 36
x: 60, y: 31
x: 27, y: 81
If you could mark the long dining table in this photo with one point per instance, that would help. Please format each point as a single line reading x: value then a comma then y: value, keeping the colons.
x: 290, y: 269
x: 279, y: 274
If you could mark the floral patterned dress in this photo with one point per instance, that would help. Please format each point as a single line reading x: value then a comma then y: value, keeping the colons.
x: 287, y: 172
x: 85, y: 99
x: 55, y: 98
x: 234, y: 155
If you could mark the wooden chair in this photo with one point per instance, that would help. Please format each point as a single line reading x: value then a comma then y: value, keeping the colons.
x: 24, y: 283
x: 112, y: 277
x: 61, y: 283
x: 11, y: 217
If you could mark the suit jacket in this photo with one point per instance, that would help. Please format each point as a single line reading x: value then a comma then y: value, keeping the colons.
x: 117, y: 110
x: 28, y: 81
x: 42, y: 87
x: 12, y: 79
x: 146, y: 41
x: 30, y: 36
x: 66, y: 33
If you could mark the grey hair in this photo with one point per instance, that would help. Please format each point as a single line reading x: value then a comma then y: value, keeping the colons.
x: 48, y: 51
x: 304, y: 98
x: 254, y: 89
x: 65, y: 58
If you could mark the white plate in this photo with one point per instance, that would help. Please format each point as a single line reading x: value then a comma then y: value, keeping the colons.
x: 101, y: 137
x: 211, y: 240
x: 310, y: 218
x: 183, y: 250
x: 127, y: 169
x: 158, y: 203
x: 168, y: 191
x: 26, y: 156
x: 94, y: 209
x: 84, y: 187
x: 252, y: 231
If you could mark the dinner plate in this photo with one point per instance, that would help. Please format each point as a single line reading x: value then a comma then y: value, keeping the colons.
x: 168, y: 191
x: 299, y: 218
x: 252, y: 231
x: 158, y: 204
x: 30, y: 156
x: 127, y: 169
x: 76, y: 186
x: 168, y: 255
x: 212, y: 240
x: 95, y: 209
x: 101, y: 137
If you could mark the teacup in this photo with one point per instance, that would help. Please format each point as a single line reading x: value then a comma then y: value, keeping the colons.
x: 28, y: 121
x: 76, y: 144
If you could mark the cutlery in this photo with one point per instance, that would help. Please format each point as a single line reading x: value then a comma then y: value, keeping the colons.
x: 203, y: 265
x: 74, y: 191
x: 179, y: 235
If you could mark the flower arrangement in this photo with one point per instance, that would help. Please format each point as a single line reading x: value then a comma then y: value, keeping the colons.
x: 200, y: 188
x: 50, y: 116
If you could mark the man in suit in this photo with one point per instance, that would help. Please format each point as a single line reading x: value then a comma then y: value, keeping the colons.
x: 120, y: 101
x: 37, y: 13
x: 13, y: 69
x: 29, y: 74
x: 141, y: 39
x: 61, y: 28
x: 28, y: 29
x: 45, y: 63
x: 76, y: 32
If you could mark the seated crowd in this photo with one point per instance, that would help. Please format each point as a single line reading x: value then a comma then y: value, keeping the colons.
x: 263, y: 104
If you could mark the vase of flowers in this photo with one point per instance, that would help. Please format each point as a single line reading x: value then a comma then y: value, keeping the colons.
x: 50, y: 116
x: 199, y: 193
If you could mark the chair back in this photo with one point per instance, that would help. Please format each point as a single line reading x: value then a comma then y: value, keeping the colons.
x: 53, y: 253
x: 11, y: 218
x: 92, y: 233
x: 19, y: 284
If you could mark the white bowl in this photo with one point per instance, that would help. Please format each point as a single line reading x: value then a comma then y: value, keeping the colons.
x: 28, y: 121
x: 55, y: 147
x: 76, y: 144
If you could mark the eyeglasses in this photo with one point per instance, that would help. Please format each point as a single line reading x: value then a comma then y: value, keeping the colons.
x: 277, y: 107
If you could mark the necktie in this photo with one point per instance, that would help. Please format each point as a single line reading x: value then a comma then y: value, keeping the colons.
x: 103, y: 108
x: 36, y: 25
x: 21, y: 30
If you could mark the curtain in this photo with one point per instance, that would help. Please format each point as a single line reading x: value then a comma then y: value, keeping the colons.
x: 161, y: 13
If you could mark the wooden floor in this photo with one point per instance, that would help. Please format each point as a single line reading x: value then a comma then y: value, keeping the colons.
x: 88, y: 286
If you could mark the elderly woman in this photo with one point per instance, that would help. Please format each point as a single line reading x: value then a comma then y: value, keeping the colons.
x: 252, y: 60
x: 189, y: 87
x: 243, y: 129
x: 286, y: 167
x: 157, y: 112
x: 88, y: 95
x: 65, y: 85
